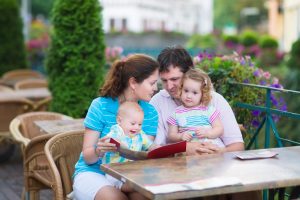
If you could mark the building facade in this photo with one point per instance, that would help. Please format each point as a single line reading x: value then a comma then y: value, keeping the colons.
x: 284, y: 21
x: 186, y: 16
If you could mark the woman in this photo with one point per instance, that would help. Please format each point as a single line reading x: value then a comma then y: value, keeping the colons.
x: 134, y: 79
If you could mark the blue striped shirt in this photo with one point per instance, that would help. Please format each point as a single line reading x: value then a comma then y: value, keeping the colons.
x: 102, y: 115
x: 136, y: 142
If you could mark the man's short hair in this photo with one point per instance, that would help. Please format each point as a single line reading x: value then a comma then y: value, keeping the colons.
x: 175, y: 56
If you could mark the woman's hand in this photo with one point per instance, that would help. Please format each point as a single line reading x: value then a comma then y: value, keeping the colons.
x: 103, y: 145
x: 93, y: 147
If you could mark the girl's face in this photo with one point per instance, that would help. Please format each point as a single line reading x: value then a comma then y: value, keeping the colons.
x: 191, y: 93
x: 145, y: 90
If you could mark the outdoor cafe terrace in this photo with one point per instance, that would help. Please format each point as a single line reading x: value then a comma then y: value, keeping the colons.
x: 265, y: 136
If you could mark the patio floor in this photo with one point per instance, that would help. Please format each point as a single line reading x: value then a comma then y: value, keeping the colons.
x: 11, y: 179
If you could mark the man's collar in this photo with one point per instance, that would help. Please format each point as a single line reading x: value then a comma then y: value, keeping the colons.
x: 164, y: 93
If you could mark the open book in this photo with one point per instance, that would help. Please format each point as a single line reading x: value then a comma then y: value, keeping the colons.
x: 160, y: 152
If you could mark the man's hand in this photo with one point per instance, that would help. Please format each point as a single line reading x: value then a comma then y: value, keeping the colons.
x: 196, y: 148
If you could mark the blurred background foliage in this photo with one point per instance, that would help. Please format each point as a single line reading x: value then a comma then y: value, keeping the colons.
x: 231, y: 12
x: 248, y: 19
x: 75, y: 59
x: 12, y: 48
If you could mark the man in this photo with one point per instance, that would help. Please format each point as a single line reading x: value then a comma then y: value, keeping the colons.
x: 174, y: 62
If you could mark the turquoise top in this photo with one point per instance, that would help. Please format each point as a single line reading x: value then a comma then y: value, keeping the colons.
x: 102, y: 115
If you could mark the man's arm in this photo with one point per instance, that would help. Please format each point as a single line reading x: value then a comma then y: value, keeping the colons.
x: 232, y: 133
x: 237, y: 146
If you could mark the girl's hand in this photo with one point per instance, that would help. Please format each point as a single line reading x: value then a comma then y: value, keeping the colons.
x: 202, y: 132
x: 103, y: 145
x: 186, y: 136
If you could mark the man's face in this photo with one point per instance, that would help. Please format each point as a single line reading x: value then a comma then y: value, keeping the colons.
x: 171, y: 81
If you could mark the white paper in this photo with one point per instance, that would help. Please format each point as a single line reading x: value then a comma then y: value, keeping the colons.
x: 256, y: 155
x: 195, y: 185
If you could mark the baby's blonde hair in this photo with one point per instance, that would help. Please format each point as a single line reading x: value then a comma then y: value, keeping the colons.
x: 129, y: 107
x: 206, y: 85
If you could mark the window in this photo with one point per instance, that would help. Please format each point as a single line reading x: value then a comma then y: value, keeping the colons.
x: 112, y: 25
x: 124, y: 25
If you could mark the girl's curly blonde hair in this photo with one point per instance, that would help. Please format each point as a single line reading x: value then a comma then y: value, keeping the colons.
x: 206, y: 85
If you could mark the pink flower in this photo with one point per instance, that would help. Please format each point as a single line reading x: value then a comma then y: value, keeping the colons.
x: 267, y: 75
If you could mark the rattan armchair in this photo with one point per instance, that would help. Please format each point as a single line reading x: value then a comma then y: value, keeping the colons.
x: 9, y: 109
x: 32, y: 141
x: 31, y: 83
x: 5, y: 89
x: 62, y: 152
x: 42, y: 105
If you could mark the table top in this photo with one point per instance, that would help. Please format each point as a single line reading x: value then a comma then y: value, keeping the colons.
x: 280, y: 171
x: 33, y: 94
x: 60, y: 126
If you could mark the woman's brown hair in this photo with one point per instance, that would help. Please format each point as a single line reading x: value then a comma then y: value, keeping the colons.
x: 138, y: 66
x: 206, y: 85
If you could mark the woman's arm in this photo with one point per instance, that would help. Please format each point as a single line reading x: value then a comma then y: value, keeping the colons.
x: 93, y: 147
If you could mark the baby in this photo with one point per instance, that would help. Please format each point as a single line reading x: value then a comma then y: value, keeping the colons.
x: 128, y: 132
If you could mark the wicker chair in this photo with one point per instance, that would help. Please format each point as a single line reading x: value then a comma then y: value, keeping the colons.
x: 42, y: 105
x: 31, y: 83
x: 32, y: 140
x: 62, y: 152
x: 22, y: 74
x: 9, y: 109
x: 5, y: 89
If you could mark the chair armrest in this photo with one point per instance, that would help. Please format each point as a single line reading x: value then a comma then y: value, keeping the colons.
x: 17, y: 135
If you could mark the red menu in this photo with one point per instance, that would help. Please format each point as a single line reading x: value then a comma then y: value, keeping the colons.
x: 160, y: 152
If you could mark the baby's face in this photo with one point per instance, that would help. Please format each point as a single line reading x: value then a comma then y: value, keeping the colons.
x: 131, y: 123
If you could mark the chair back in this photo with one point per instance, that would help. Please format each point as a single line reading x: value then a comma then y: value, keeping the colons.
x: 5, y: 89
x: 31, y: 83
x: 10, y: 108
x: 24, y: 129
x: 22, y: 74
x: 62, y: 152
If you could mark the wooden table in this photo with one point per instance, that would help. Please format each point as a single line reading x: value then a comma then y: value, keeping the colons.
x: 280, y: 171
x: 32, y: 94
x: 60, y: 126
x: 12, y: 82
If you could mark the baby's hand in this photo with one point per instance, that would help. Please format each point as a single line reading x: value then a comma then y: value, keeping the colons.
x: 186, y: 136
x: 202, y: 133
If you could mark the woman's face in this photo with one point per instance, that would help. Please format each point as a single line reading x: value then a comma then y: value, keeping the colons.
x: 146, y: 89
